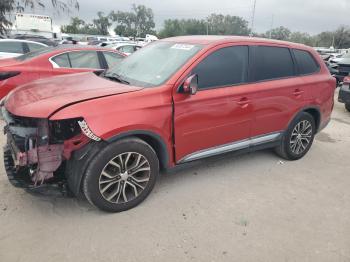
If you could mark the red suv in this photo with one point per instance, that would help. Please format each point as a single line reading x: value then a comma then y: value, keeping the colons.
x: 176, y: 100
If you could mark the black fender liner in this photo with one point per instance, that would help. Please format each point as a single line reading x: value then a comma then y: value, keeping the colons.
x: 78, y: 163
x: 80, y: 159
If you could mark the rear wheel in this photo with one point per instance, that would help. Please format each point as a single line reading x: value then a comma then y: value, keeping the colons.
x: 121, y: 176
x: 299, y: 137
x: 347, y: 107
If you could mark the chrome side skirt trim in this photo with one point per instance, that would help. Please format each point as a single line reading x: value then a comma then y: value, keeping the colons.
x: 238, y: 145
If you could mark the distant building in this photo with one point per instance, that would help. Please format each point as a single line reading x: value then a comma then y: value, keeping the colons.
x: 33, y: 24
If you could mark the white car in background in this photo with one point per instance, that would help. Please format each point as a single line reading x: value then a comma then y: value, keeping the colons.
x: 14, y: 47
x: 126, y: 48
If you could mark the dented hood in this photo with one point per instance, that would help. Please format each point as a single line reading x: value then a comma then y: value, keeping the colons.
x: 42, y: 98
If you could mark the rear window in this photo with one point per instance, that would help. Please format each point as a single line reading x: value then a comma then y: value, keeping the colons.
x: 306, y: 63
x: 272, y: 63
x: 62, y: 60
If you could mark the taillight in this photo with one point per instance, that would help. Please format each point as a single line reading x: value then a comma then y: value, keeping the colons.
x: 6, y: 75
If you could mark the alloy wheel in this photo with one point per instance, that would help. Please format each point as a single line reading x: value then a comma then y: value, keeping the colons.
x: 124, y: 177
x: 301, y: 137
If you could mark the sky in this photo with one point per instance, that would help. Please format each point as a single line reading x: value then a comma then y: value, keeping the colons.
x: 312, y: 16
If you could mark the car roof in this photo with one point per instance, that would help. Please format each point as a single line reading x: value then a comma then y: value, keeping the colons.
x: 122, y: 44
x: 21, y: 40
x: 71, y: 47
x: 221, y: 39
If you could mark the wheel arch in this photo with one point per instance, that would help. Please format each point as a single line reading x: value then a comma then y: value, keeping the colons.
x: 316, y: 114
x: 151, y: 138
x: 314, y: 111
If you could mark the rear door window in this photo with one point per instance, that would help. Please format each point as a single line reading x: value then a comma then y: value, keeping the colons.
x: 224, y: 67
x: 272, y: 63
x: 306, y: 63
x: 11, y: 47
x: 62, y: 60
x: 84, y: 59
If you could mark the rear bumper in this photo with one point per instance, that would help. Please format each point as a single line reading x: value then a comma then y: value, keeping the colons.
x: 344, y: 95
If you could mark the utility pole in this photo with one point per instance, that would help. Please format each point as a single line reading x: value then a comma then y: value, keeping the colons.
x: 253, y: 18
x: 271, y: 27
x: 207, y: 26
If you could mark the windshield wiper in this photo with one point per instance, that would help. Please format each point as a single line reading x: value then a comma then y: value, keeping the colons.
x: 116, y: 77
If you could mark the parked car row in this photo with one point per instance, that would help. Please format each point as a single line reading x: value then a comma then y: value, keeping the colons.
x: 337, y: 61
x: 108, y: 135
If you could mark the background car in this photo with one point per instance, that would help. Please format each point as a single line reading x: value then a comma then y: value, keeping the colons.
x: 125, y: 48
x: 14, y: 47
x: 54, y: 61
x: 35, y: 38
x: 342, y: 66
x: 344, y: 93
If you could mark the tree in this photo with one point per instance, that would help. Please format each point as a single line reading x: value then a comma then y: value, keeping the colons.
x: 75, y: 27
x: 175, y: 27
x: 302, y: 38
x: 279, y: 33
x: 102, y: 24
x: 227, y: 25
x: 324, y: 39
x: 8, y: 6
x: 215, y: 24
x: 138, y: 22
x: 342, y: 37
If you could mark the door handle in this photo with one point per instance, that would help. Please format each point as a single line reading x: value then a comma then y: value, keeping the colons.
x: 298, y: 92
x: 244, y: 101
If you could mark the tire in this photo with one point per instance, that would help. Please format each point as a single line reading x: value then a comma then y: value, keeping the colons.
x: 288, y: 148
x: 347, y: 107
x: 122, y: 175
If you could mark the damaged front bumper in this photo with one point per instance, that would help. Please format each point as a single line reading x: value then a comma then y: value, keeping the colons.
x: 37, y: 152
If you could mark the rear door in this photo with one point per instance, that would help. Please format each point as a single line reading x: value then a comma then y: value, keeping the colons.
x: 220, y: 112
x: 279, y: 92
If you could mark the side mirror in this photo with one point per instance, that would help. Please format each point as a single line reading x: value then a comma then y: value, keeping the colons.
x: 190, y: 85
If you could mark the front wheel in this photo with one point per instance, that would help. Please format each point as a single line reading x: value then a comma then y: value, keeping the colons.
x: 297, y: 140
x: 121, y: 176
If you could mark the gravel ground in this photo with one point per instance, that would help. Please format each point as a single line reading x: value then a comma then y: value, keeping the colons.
x: 252, y: 207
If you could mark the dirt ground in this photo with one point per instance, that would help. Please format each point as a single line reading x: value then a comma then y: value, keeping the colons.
x: 253, y: 207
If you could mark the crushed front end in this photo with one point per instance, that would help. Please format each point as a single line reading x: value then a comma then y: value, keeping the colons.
x: 38, y: 150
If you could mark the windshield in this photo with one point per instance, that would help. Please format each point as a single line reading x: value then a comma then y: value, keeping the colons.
x: 154, y: 64
x: 33, y: 54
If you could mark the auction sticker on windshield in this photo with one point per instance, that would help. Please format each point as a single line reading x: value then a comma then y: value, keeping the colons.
x: 182, y: 47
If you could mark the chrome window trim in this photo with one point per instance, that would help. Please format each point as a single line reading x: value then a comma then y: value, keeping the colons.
x: 234, y: 146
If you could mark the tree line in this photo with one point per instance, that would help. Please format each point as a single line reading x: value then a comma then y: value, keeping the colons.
x: 139, y: 21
